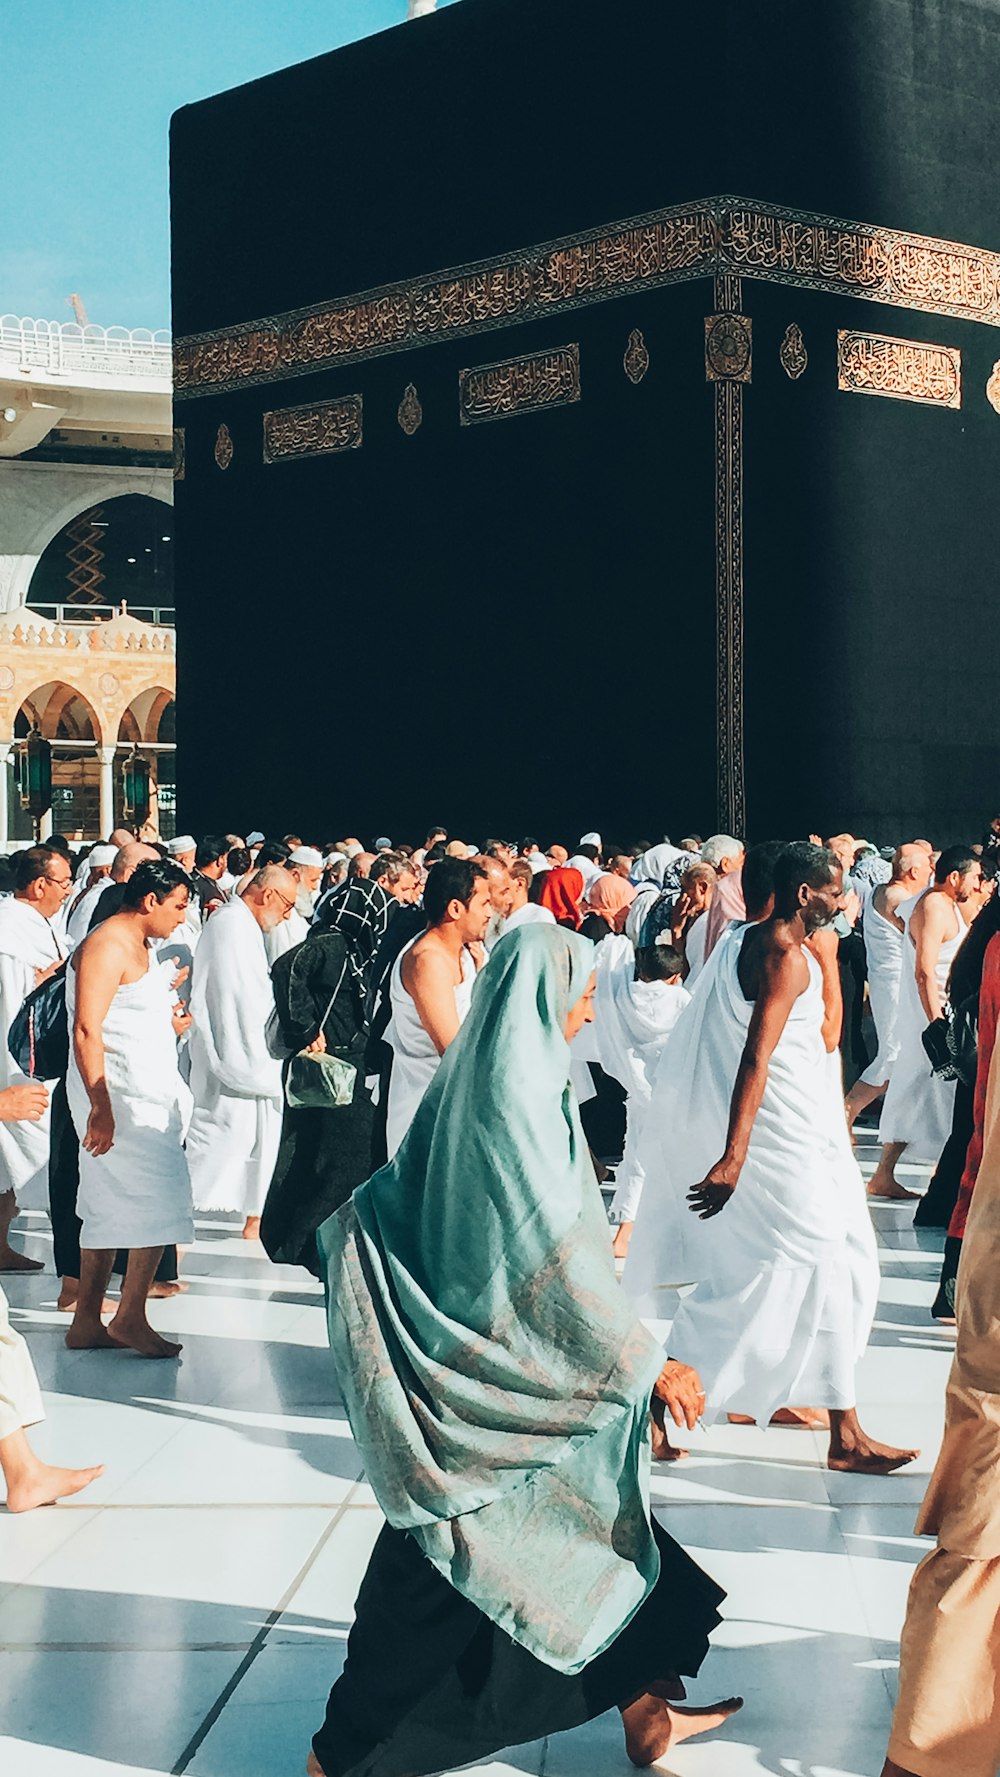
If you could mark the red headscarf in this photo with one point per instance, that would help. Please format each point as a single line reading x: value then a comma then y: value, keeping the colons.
x: 611, y: 897
x: 561, y: 892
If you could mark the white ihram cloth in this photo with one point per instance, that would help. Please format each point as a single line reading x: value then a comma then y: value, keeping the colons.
x: 20, y: 1397
x: 139, y: 1192
x: 78, y: 923
x: 694, y: 949
x: 27, y: 943
x: 236, y: 1125
x: 778, y: 1316
x: 918, y: 1107
x: 292, y: 931
x: 414, y: 1057
x: 632, y: 1021
x: 528, y: 915
x: 884, y: 954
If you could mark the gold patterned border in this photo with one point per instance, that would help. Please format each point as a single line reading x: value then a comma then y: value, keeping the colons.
x: 316, y: 430
x: 525, y: 384
x: 905, y: 369
x: 699, y: 239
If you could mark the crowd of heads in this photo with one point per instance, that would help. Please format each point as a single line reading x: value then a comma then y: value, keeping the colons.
x: 590, y: 887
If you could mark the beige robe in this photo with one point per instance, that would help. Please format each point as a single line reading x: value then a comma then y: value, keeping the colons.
x: 947, y: 1720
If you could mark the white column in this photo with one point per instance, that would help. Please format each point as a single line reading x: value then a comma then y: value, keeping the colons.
x: 106, y: 755
x: 417, y: 8
x: 6, y: 748
x: 45, y: 827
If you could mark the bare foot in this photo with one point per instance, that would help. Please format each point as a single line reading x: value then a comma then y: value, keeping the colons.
x: 623, y: 1235
x: 45, y: 1485
x: 653, y: 1726
x: 251, y: 1228
x: 69, y: 1293
x: 159, y: 1291
x: 12, y: 1260
x: 662, y: 1449
x: 860, y: 1455
x: 141, y: 1337
x: 805, y: 1418
x: 891, y: 1190
x: 740, y: 1419
x: 82, y: 1336
x: 313, y: 1767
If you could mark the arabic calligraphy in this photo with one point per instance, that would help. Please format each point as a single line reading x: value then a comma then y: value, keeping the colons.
x: 673, y: 245
x: 905, y: 369
x: 792, y: 352
x: 317, y: 430
x: 223, y: 450
x: 520, y: 385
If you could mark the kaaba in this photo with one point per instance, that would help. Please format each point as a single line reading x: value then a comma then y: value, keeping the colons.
x: 588, y: 415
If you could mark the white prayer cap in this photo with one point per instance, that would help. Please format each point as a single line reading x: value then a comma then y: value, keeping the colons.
x: 306, y: 855
x: 538, y: 862
x: 591, y: 839
x: 183, y: 843
x: 383, y: 845
x: 102, y: 856
x: 255, y: 838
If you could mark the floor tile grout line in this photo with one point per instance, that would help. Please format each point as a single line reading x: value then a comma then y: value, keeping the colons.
x: 274, y: 1616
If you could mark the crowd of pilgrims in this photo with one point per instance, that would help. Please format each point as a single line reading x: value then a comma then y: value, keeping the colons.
x: 514, y: 1106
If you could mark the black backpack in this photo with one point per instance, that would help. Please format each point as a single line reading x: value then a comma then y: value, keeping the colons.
x: 39, y: 1036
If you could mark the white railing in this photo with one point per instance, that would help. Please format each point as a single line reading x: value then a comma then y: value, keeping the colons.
x: 162, y: 615
x: 61, y: 347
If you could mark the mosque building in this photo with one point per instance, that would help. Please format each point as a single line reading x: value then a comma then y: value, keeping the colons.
x: 86, y: 569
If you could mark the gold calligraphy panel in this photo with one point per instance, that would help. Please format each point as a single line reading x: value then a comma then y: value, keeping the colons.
x: 519, y: 385
x: 905, y: 369
x: 316, y: 430
x: 708, y: 238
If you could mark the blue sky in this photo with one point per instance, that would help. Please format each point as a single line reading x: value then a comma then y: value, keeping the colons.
x: 88, y: 90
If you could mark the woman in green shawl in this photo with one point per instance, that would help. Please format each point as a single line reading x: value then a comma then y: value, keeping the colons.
x: 499, y: 1390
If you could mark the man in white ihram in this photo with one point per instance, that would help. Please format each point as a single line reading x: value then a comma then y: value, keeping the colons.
x: 774, y: 1312
x: 29, y: 952
x: 235, y: 1130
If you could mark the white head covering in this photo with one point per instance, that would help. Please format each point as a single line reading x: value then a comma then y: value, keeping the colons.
x: 183, y: 842
x: 591, y: 839
x: 306, y: 855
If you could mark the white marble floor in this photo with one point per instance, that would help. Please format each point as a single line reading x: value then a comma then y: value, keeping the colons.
x: 189, y: 1613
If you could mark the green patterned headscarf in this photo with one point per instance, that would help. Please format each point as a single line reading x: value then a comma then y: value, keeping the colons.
x: 495, y: 1377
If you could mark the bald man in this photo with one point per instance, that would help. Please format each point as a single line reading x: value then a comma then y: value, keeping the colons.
x: 883, y: 935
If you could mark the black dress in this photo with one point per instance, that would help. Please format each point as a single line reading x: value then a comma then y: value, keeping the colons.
x: 431, y: 1683
x: 323, y: 1154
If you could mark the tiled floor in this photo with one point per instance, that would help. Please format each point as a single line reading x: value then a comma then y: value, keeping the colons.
x: 189, y: 1614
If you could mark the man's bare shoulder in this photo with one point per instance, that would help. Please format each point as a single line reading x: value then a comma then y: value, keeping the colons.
x: 933, y: 914
x: 427, y: 955
x: 112, y: 939
x: 770, y: 955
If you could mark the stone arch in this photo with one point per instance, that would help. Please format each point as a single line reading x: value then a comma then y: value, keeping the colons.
x: 143, y: 713
x: 119, y: 549
x: 42, y: 499
x: 62, y: 712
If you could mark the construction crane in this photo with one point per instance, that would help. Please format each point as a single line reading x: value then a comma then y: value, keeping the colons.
x: 77, y: 305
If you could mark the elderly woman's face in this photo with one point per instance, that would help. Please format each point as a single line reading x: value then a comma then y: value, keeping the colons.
x: 582, y: 1013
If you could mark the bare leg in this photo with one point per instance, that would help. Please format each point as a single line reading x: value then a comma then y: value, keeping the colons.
x: 68, y: 1293
x: 251, y: 1228
x: 623, y: 1235
x: 858, y: 1100
x: 662, y: 1449
x: 313, y: 1767
x: 10, y: 1258
x: 130, y: 1326
x: 654, y: 1723
x: 852, y: 1451
x: 889, y: 1769
x: 883, y: 1182
x: 31, y: 1482
x: 88, y: 1332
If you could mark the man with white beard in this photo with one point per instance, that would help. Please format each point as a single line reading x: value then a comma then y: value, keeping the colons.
x: 30, y: 951
x: 235, y: 1130
x: 305, y: 867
